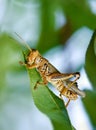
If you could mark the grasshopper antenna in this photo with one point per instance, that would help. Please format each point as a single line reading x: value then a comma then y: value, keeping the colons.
x: 23, y: 41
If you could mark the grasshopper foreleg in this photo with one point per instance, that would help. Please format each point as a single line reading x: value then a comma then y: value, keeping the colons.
x: 28, y: 66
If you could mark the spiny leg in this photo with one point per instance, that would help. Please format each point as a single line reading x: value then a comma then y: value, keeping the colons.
x: 38, y: 83
x: 27, y: 65
x: 44, y: 82
x: 70, y: 85
x: 61, y: 96
x: 22, y: 63
x: 63, y: 100
x: 67, y: 103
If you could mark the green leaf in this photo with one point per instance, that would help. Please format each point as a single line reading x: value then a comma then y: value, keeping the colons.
x: 48, y: 36
x: 49, y: 103
x: 90, y: 61
x: 90, y: 106
x: 90, y: 67
x: 10, y: 69
x: 15, y: 97
x: 78, y: 13
x: 9, y: 56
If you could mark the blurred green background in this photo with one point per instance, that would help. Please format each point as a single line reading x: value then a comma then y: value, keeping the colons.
x: 61, y: 30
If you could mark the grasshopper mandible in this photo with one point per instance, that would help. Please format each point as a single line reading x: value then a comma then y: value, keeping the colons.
x: 62, y: 81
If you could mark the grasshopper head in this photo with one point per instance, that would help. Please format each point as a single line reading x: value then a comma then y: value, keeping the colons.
x: 32, y: 56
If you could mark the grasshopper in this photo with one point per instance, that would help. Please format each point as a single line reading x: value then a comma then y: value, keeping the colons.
x: 62, y: 81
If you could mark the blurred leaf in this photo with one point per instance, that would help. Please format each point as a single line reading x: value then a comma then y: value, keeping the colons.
x: 90, y: 61
x: 9, y: 63
x: 49, y: 103
x: 26, y: 1
x: 90, y: 106
x: 65, y: 32
x: 48, y: 38
x: 90, y: 67
x: 78, y: 13
x: 14, y: 92
x: 7, y: 51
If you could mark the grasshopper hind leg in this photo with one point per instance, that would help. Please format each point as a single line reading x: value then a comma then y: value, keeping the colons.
x: 66, y: 104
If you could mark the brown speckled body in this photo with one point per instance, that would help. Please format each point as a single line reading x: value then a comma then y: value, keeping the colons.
x: 50, y: 74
